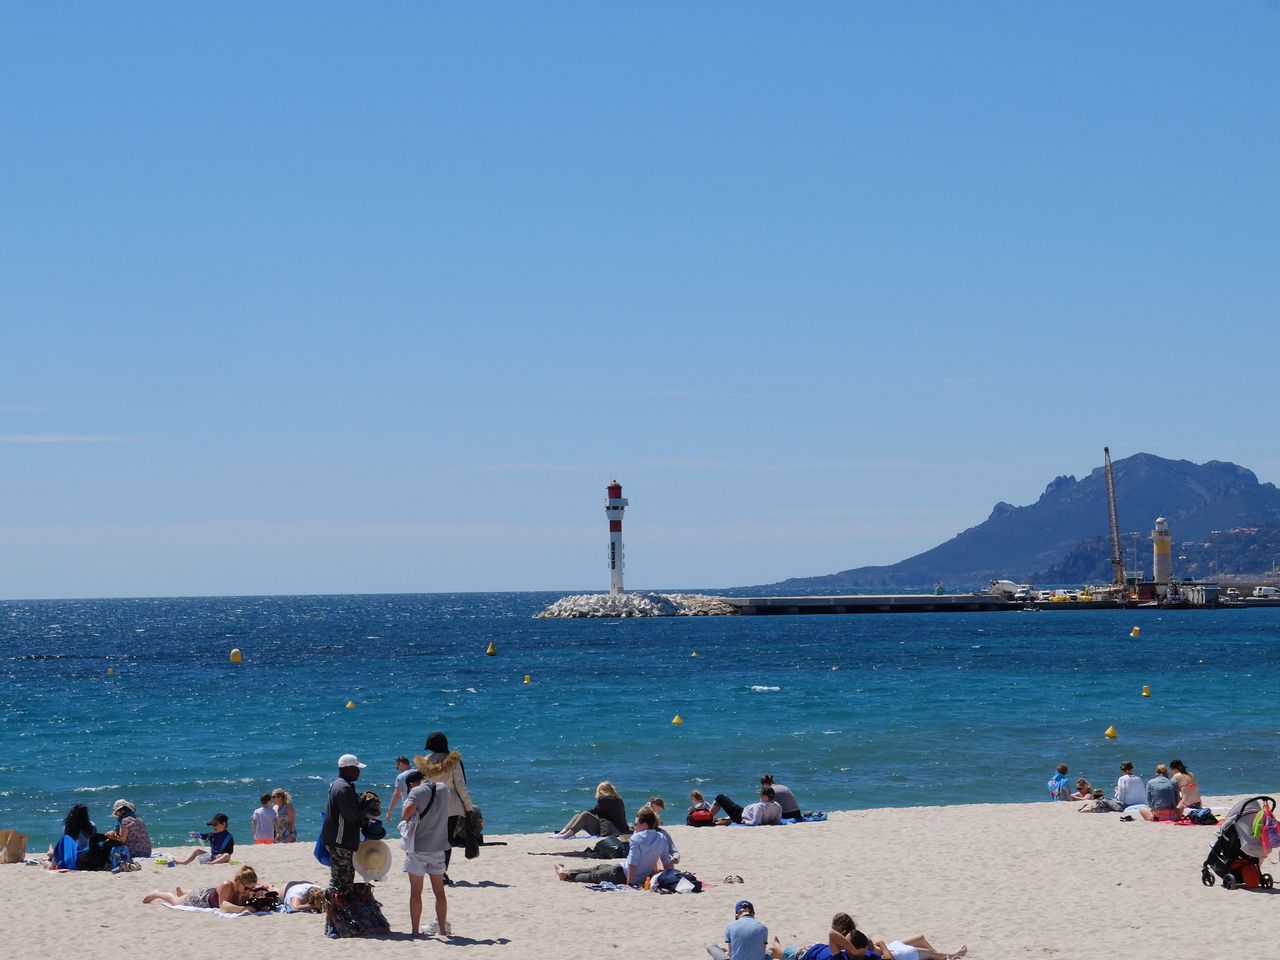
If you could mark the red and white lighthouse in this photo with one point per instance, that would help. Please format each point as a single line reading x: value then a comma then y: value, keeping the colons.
x: 613, y: 508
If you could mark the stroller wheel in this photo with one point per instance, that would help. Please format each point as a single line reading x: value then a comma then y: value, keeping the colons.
x: 1265, y: 882
x: 1228, y: 882
x: 1206, y: 877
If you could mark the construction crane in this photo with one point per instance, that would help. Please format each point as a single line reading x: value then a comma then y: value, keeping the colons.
x: 1117, y: 555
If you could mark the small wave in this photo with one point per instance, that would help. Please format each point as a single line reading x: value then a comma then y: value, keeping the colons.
x: 756, y: 688
x: 108, y: 787
x: 471, y: 689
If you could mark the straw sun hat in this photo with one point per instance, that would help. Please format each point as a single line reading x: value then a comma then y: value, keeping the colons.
x: 373, y: 860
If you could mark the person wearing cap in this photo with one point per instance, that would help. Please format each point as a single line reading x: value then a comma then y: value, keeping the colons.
x: 221, y: 843
x: 130, y: 830
x: 745, y: 937
x: 341, y: 832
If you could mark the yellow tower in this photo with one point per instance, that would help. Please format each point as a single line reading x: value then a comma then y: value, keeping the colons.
x: 1162, y: 552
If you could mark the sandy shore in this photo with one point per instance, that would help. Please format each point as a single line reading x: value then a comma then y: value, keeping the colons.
x: 1014, y: 880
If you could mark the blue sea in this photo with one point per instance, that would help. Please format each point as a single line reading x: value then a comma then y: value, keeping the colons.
x: 138, y: 699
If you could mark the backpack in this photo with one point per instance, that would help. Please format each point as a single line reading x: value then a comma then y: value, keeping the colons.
x: 1201, y: 815
x: 668, y: 881
x: 409, y: 828
x: 610, y: 848
x: 700, y: 816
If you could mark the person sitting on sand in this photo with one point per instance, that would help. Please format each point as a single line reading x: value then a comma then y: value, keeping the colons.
x: 1130, y: 790
x: 745, y: 936
x: 303, y: 896
x: 1188, y: 789
x: 1058, y: 784
x: 221, y: 843
x: 647, y: 849
x: 699, y: 814
x: 80, y: 829
x: 228, y: 896
x: 1084, y: 790
x: 608, y: 818
x: 130, y: 830
x: 764, y: 812
x: 657, y: 805
x: 786, y: 799
x: 1162, y: 797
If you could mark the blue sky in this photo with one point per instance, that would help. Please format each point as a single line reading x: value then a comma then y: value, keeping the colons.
x: 362, y: 298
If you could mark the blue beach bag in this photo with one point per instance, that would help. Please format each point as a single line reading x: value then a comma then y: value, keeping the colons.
x: 65, y: 852
x: 321, y: 853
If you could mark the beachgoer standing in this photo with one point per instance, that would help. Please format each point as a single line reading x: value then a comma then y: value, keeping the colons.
x: 429, y: 804
x: 445, y: 766
x: 341, y: 834
x: 746, y: 936
x: 401, y: 791
x: 1130, y: 790
x: 264, y: 821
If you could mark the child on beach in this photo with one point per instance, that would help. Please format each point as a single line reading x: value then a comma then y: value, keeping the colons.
x: 1084, y: 790
x: 1059, y: 788
x: 221, y: 843
x: 699, y: 814
x: 264, y: 821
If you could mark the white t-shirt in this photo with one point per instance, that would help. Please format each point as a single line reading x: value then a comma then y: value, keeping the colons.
x: 295, y: 891
x: 1131, y: 790
x: 264, y: 823
x: 764, y: 812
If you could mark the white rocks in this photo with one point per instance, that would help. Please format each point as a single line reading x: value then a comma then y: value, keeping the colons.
x: 638, y: 605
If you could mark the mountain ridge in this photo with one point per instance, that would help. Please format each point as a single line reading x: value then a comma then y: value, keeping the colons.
x: 1056, y: 538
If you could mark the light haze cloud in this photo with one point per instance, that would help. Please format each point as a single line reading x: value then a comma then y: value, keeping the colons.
x: 59, y: 438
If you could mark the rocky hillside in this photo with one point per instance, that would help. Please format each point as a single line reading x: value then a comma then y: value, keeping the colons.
x: 1223, y: 521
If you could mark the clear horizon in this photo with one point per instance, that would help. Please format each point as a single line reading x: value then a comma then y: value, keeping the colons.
x: 318, y: 300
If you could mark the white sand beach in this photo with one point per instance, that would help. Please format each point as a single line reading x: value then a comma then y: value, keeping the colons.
x: 1012, y: 880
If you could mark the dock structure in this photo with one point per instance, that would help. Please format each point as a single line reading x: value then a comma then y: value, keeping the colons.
x: 871, y: 603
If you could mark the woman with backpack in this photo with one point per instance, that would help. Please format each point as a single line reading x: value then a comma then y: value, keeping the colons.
x: 445, y: 766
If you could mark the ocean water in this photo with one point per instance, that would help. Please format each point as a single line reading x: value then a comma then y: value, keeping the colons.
x: 850, y: 711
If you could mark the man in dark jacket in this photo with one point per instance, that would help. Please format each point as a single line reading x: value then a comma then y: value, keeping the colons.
x: 341, y: 834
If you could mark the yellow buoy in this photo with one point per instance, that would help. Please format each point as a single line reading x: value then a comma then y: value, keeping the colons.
x: 676, y: 721
x: 1146, y: 690
x: 491, y: 650
x: 235, y: 655
x: 110, y: 671
x: 1135, y: 632
x: 1111, y: 733
x: 351, y: 704
x: 526, y: 678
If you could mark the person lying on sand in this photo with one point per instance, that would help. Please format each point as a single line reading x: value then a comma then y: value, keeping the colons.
x: 845, y: 940
x: 229, y: 896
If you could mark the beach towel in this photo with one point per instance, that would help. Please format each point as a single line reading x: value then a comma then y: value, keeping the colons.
x: 221, y: 913
x: 817, y: 817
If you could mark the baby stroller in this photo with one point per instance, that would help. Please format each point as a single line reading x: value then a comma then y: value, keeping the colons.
x: 1237, y: 853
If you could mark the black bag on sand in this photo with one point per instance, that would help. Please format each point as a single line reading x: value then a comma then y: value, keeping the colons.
x: 469, y: 833
x: 354, y: 913
x: 610, y: 848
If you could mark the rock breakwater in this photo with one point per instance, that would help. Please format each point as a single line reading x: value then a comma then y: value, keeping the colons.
x: 638, y: 605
